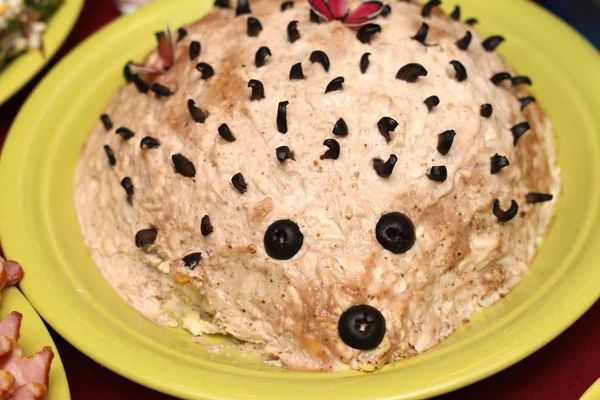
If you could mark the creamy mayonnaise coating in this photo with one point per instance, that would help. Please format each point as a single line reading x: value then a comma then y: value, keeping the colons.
x: 463, y: 258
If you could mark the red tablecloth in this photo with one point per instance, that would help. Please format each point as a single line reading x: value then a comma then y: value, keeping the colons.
x: 562, y: 370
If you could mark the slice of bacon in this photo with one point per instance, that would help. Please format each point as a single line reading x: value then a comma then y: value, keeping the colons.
x: 14, y: 272
x: 6, y: 345
x: 10, y: 273
x: 7, y: 383
x: 11, y: 325
x: 10, y: 328
x: 30, y: 391
x: 2, y: 274
x: 35, y: 368
x: 21, y: 378
x: 364, y: 13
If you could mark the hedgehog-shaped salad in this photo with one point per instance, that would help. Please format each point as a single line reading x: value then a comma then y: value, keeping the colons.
x: 334, y: 185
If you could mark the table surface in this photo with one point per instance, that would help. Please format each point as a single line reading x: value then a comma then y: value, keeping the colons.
x: 563, y: 369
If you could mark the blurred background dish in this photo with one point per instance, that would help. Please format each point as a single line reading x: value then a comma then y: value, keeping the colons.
x: 23, y: 67
x: 22, y: 24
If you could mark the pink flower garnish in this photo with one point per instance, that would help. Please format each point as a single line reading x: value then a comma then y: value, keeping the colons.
x: 166, y: 49
x: 166, y: 53
x: 144, y: 69
x: 336, y: 10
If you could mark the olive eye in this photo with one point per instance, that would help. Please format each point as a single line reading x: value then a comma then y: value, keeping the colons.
x: 395, y: 232
x: 362, y: 327
x: 283, y: 239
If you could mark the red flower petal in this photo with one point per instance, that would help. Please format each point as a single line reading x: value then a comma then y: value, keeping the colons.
x: 321, y: 7
x: 366, y: 12
x: 165, y: 48
x: 338, y: 7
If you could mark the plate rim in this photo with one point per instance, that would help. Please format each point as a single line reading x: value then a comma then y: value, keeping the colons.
x: 579, y: 306
x: 58, y: 29
x: 593, y: 392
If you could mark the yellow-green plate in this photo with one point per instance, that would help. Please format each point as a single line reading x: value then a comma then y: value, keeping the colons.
x: 23, y: 68
x: 593, y: 393
x: 38, y: 226
x: 34, y: 336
